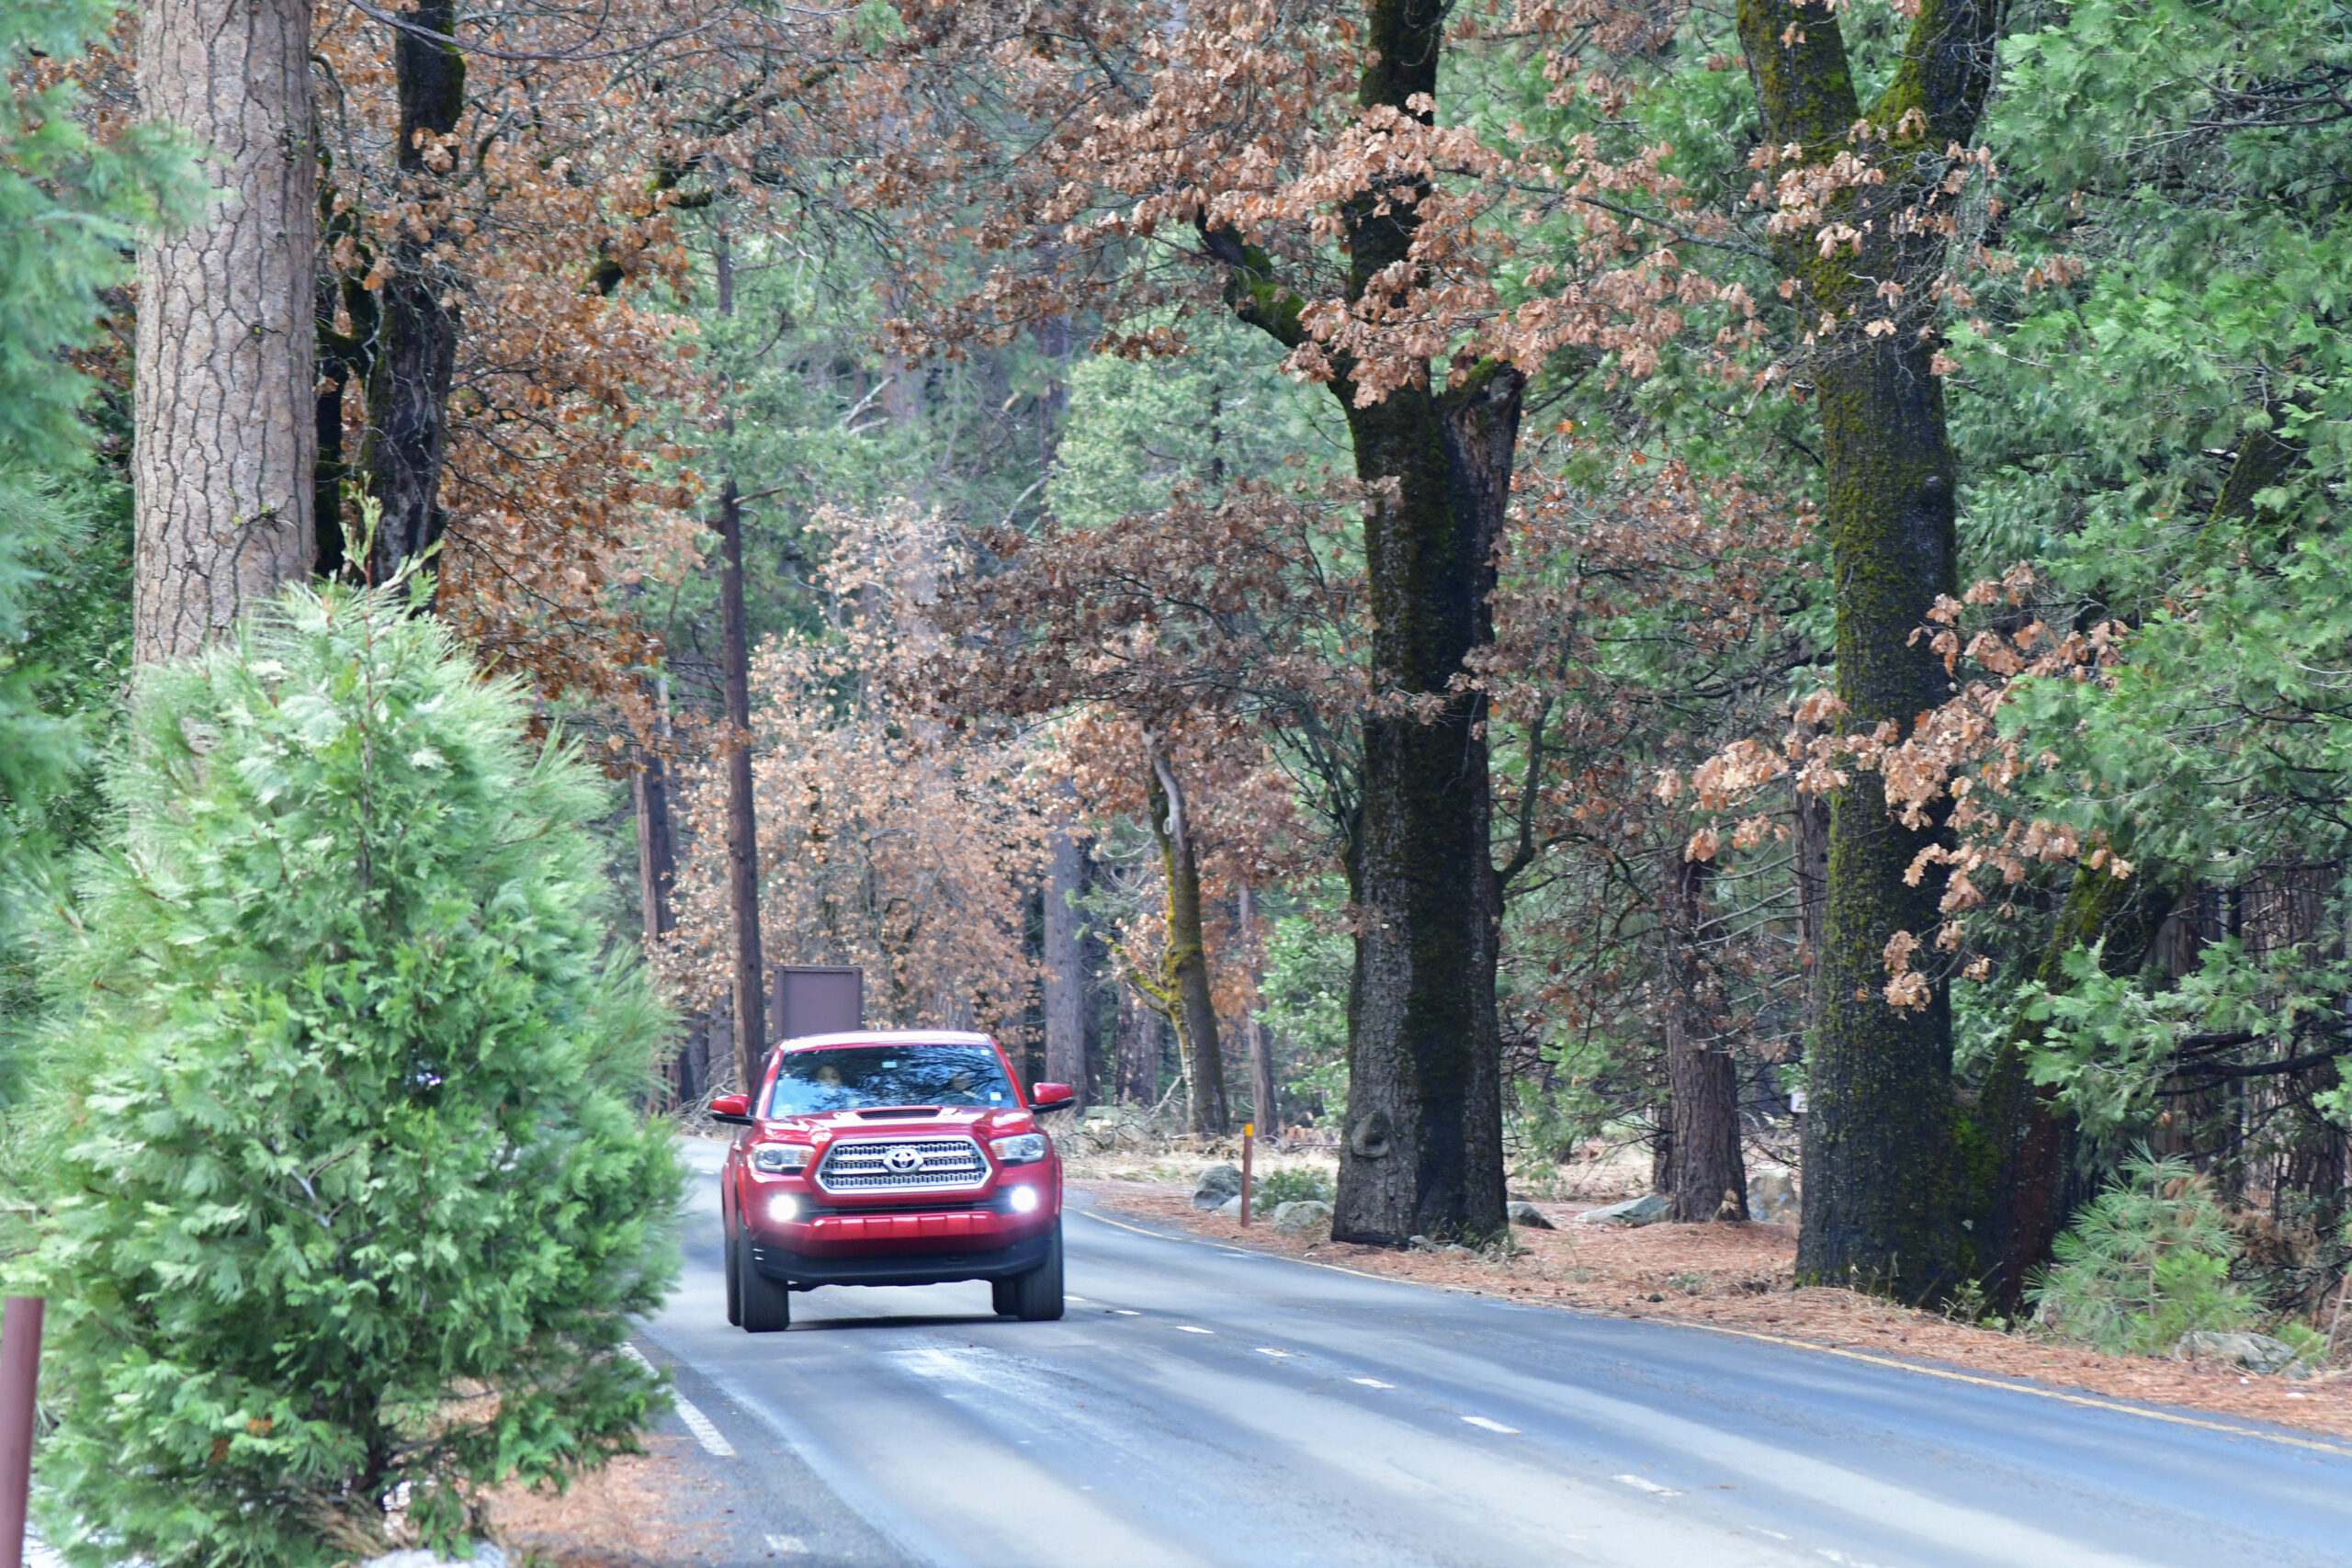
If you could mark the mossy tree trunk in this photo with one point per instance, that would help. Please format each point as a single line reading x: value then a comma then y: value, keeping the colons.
x: 1423, y: 1148
x: 1881, y: 1206
x: 1183, y: 988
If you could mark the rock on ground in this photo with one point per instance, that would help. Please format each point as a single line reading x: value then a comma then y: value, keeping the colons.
x: 2255, y: 1352
x: 1644, y: 1211
x: 1773, y: 1198
x: 1217, y: 1184
x: 1526, y: 1213
x: 1303, y: 1217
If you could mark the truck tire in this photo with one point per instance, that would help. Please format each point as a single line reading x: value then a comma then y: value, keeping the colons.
x: 734, y: 1284
x: 1036, y: 1296
x: 767, y: 1303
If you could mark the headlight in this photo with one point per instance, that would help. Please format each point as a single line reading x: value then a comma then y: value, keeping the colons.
x: 784, y: 1207
x: 782, y: 1159
x: 1023, y: 1149
x: 1024, y: 1200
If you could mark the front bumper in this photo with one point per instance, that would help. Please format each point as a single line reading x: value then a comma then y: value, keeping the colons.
x: 904, y: 1263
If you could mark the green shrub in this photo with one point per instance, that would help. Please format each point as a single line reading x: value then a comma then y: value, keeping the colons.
x: 2143, y: 1264
x: 340, y: 1181
x: 1296, y: 1183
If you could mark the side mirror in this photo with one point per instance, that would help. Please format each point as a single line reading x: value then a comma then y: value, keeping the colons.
x: 1047, y: 1097
x: 735, y: 1108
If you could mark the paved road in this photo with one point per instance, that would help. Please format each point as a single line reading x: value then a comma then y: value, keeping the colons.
x: 1200, y: 1405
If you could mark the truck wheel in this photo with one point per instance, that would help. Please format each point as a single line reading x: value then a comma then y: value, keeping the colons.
x: 1006, y: 1296
x: 767, y: 1305
x: 734, y: 1285
x: 1037, y: 1295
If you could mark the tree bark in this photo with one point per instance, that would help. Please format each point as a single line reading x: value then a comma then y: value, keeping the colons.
x: 657, y: 852
x: 1423, y: 1151
x: 2025, y: 1135
x: 742, y: 824
x: 1190, y: 1008
x: 1809, y: 867
x: 1879, y: 1154
x: 225, y: 421
x: 1065, y: 969
x: 415, y: 355
x: 1135, y: 1072
x: 1704, y: 1173
x: 1263, y: 1106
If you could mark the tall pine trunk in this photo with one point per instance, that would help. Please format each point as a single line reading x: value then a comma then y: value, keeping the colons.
x: 1065, y: 963
x: 1881, y: 1176
x: 1134, y: 1071
x: 416, y: 355
x: 225, y: 422
x: 1186, y: 977
x: 746, y: 984
x: 1703, y: 1171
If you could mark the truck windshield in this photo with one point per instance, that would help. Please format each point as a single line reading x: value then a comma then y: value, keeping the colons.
x: 856, y: 1077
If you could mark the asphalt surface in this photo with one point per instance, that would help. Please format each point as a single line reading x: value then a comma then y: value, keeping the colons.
x: 1203, y: 1405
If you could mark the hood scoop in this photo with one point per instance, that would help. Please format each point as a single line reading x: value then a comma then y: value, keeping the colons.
x: 899, y: 1113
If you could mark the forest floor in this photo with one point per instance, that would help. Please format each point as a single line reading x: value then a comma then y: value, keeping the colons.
x: 1738, y: 1278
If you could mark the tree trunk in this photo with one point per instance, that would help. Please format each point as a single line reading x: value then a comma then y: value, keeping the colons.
x: 742, y: 824
x: 1263, y: 1107
x: 1704, y: 1173
x: 1190, y: 1008
x: 1423, y: 1151
x: 1136, y: 1070
x: 657, y: 852
x: 226, y: 419
x: 1065, y: 968
x: 416, y: 355
x: 1809, y: 867
x: 2026, y: 1135
x: 1880, y: 1157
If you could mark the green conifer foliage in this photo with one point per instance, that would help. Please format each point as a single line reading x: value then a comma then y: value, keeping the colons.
x: 2146, y: 1262
x: 342, y: 1182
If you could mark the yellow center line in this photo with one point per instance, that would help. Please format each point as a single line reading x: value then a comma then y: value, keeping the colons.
x: 2093, y: 1401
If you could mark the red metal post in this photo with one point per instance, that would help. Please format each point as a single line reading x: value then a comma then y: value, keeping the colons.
x: 20, y: 1372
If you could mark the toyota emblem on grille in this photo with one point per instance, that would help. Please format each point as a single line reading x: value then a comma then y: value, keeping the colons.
x: 902, y: 1160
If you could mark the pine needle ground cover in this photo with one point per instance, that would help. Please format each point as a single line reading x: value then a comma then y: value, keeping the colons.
x: 338, y: 1183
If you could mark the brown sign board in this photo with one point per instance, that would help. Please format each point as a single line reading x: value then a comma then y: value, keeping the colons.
x: 817, y: 998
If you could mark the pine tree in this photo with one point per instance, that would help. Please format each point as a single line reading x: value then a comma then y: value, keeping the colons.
x: 341, y: 1182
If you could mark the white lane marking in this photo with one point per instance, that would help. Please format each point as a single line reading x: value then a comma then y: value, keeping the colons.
x: 1776, y: 1535
x: 788, y: 1546
x: 1372, y: 1383
x: 1492, y: 1426
x: 1187, y: 1328
x: 1650, y: 1486
x: 699, y: 1425
x: 1068, y: 1297
x: 1124, y: 1311
x: 708, y: 1435
x: 1270, y: 1350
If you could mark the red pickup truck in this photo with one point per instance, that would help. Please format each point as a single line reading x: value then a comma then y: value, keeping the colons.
x: 888, y: 1157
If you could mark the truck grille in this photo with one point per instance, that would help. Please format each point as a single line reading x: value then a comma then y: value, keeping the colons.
x: 903, y: 1165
